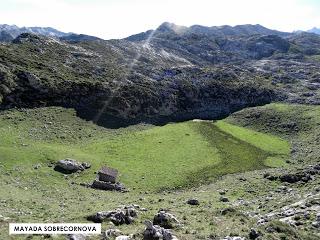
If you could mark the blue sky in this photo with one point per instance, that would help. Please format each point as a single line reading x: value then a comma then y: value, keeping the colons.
x: 120, y: 18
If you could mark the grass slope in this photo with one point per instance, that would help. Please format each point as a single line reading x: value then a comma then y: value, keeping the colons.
x: 44, y: 135
x: 171, y: 156
x: 277, y: 148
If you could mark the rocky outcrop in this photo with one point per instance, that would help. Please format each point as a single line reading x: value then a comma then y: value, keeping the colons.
x: 194, y: 73
x: 14, y: 31
x: 316, y: 223
x: 155, y: 232
x: 193, y: 201
x: 77, y: 237
x: 108, y: 186
x: 171, y: 99
x: 125, y: 215
x: 5, y: 36
x: 111, y: 233
x: 123, y: 237
x: 303, y: 176
x: 70, y: 166
x: 165, y: 220
x: 304, y: 212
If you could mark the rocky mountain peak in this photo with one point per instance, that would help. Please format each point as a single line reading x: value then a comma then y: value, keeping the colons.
x: 27, y: 38
x: 314, y: 30
x: 79, y: 38
x: 171, y: 28
x: 31, y: 38
x: 5, y: 36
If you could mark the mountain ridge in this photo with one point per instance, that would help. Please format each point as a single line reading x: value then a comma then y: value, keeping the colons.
x: 166, y: 76
x: 12, y: 31
x: 218, y: 31
x: 314, y: 30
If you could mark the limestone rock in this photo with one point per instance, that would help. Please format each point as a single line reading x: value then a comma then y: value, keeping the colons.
x: 165, y: 220
x: 193, y: 201
x: 155, y: 232
x: 76, y: 237
x: 253, y: 234
x: 224, y: 199
x: 123, y: 237
x: 108, y: 186
x: 70, y: 166
x: 234, y: 238
x: 111, y: 233
x: 118, y: 216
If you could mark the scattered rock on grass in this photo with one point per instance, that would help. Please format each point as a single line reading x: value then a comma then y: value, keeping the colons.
x: 76, y: 237
x: 155, y: 232
x: 224, y: 199
x: 4, y: 219
x: 165, y: 220
x: 253, y: 234
x: 111, y: 233
x: 109, y: 186
x: 123, y: 237
x: 37, y: 166
x: 303, y: 176
x: 316, y: 223
x: 226, y: 211
x: 222, y: 192
x: 119, y: 216
x: 233, y: 238
x: 68, y: 166
x: 193, y: 201
x: 270, y: 177
x: 295, y: 177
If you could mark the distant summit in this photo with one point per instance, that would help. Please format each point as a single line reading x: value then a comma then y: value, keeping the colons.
x: 10, y: 32
x: 226, y: 30
x: 79, y: 38
x: 314, y: 30
x: 215, y: 31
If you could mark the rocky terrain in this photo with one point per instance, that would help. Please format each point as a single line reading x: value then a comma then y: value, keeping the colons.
x: 10, y: 32
x: 315, y: 30
x: 253, y: 175
x: 172, y: 72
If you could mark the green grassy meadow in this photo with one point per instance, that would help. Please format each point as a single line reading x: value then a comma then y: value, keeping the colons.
x: 152, y: 158
x: 163, y: 166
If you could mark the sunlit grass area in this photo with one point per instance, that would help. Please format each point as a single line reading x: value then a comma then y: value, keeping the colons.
x: 184, y: 156
x: 148, y: 157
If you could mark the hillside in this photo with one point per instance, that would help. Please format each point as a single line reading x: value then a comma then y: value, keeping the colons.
x: 314, y: 30
x: 171, y: 75
x: 216, y: 126
x: 10, y: 32
x: 165, y: 166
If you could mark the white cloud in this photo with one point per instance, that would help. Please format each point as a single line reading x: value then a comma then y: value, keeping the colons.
x: 120, y: 18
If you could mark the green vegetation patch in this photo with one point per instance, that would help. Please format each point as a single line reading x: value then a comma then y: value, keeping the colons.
x: 266, y: 142
x: 240, y: 149
x: 148, y: 158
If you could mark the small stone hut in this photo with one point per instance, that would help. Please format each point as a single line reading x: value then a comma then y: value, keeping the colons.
x: 107, y: 174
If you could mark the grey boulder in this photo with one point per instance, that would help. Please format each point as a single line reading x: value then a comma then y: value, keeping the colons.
x: 155, y: 232
x: 70, y: 166
x: 119, y: 216
x: 165, y: 220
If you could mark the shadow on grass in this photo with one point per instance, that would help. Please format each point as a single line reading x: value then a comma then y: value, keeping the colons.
x: 236, y: 155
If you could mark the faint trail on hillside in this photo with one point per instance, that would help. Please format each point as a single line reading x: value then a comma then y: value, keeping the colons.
x: 130, y: 68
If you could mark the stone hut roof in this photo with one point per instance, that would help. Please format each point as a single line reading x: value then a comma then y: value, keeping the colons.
x: 109, y: 171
